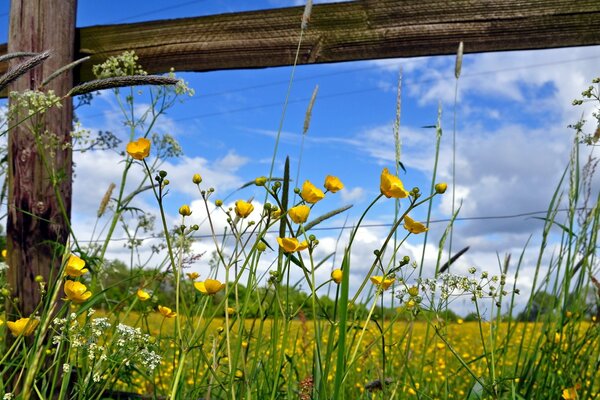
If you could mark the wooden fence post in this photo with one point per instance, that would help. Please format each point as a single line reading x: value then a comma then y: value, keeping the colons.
x: 35, y: 220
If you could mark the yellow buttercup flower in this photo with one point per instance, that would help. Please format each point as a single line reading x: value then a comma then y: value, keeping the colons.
x: 310, y: 193
x: 139, y: 149
x: 197, y: 179
x: 4, y: 253
x: 75, y: 266
x: 167, y: 312
x: 77, y: 292
x: 391, y: 186
x: 571, y: 393
x: 336, y: 275
x: 333, y: 183
x: 243, y: 208
x: 209, y: 286
x: 185, y: 211
x: 290, y: 245
x: 193, y: 275
x: 143, y: 295
x: 381, y: 282
x: 299, y: 214
x: 23, y: 326
x: 413, y: 226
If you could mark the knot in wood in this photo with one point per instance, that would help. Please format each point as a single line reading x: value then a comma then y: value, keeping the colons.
x: 39, y: 207
x: 25, y: 155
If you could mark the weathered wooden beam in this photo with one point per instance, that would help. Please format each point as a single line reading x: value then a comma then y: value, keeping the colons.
x: 36, y: 226
x: 356, y: 30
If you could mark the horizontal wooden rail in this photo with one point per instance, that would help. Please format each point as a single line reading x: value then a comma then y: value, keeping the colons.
x: 355, y: 30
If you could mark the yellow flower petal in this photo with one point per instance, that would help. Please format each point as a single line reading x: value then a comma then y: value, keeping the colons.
x: 299, y: 214
x: 24, y: 326
x: 167, y: 312
x: 333, y: 183
x: 243, y: 208
x: 290, y: 245
x: 209, y: 286
x: 310, y: 193
x: 76, y: 291
x: 139, y: 149
x: 143, y: 295
x: 75, y: 266
x: 413, y: 226
x: 381, y: 282
x: 391, y: 186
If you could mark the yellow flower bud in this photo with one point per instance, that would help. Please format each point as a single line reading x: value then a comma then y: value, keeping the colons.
x: 260, y: 181
x: 218, y: 203
x: 185, y: 211
x: 336, y: 275
x: 197, y: 179
x: 441, y: 188
x: 261, y: 246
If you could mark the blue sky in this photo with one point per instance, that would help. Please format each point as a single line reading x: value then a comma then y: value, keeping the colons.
x: 512, y: 137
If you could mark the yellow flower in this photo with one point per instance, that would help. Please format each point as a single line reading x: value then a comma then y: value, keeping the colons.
x: 381, y: 282
x: 76, y: 291
x: 143, y: 295
x: 197, y: 179
x: 230, y: 310
x: 209, y: 286
x: 185, y: 211
x: 336, y: 275
x: 243, y: 208
x: 75, y: 266
x: 139, y: 149
x: 412, y: 226
x: 299, y: 214
x: 193, y: 275
x: 167, y: 312
x: 571, y: 393
x: 460, y: 321
x: 4, y: 253
x: 310, y: 193
x: 333, y: 183
x: 440, y: 188
x: 391, y: 186
x: 413, y: 291
x: 23, y: 326
x: 290, y: 245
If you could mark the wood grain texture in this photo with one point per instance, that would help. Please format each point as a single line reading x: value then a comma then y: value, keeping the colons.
x: 356, y: 30
x: 36, y: 226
